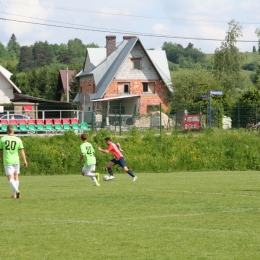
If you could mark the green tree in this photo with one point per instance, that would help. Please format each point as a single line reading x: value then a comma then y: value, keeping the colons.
x: 257, y: 77
x: 38, y: 68
x: 257, y: 32
x: 11, y: 66
x: 254, y: 49
x: 173, y: 51
x: 227, y: 59
x: 42, y: 54
x: 74, y: 88
x: 77, y: 52
x: 251, y: 66
x: 249, y: 102
x: 92, y: 45
x: 3, y: 53
x: 63, y: 54
x: 13, y: 48
x: 76, y: 48
x: 189, y: 84
x: 26, y: 58
x: 172, y: 66
x: 176, y: 52
x: 55, y: 49
x: 40, y: 82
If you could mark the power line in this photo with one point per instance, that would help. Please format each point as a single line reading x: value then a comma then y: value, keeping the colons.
x: 120, y: 32
x: 126, y: 15
x: 52, y: 21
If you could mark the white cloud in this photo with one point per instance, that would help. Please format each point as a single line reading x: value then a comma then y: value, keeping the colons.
x: 241, y: 10
x: 160, y: 28
x: 31, y: 9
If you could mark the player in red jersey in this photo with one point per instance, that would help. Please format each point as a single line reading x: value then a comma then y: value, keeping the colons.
x: 116, y: 150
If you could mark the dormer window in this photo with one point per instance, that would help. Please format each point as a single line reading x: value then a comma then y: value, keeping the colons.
x: 136, y: 63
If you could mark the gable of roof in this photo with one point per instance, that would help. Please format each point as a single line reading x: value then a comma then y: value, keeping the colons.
x: 7, y: 75
x: 160, y: 61
x: 94, y: 56
x: 105, y: 72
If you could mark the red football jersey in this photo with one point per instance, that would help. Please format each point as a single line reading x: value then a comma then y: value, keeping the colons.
x: 115, y: 151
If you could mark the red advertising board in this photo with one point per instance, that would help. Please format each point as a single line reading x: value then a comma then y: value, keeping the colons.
x: 194, y: 122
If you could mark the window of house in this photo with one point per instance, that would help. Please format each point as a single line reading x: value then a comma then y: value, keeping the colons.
x: 152, y: 108
x: 148, y: 87
x: 126, y: 88
x: 123, y: 88
x: 136, y: 64
x: 145, y: 86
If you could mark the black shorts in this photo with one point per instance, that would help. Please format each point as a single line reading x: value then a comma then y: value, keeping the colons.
x: 120, y: 162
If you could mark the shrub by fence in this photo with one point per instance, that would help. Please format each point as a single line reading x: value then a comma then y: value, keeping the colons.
x: 145, y: 152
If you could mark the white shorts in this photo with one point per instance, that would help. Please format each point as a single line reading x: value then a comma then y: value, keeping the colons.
x: 88, y: 169
x: 11, y: 169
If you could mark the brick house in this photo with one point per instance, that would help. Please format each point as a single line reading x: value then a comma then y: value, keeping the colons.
x: 125, y: 74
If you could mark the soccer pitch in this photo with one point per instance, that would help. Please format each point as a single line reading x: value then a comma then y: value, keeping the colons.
x: 198, y: 215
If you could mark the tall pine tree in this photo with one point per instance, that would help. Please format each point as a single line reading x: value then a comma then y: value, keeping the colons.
x: 13, y: 48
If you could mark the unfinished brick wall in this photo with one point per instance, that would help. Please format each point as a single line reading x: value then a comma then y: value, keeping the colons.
x: 111, y: 90
x: 161, y: 94
x: 87, y: 84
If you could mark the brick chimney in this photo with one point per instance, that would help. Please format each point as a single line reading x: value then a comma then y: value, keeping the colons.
x: 111, y: 44
x: 128, y: 37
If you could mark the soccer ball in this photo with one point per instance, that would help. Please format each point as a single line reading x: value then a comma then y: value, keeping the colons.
x: 106, y: 178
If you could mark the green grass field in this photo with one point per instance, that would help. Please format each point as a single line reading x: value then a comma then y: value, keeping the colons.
x: 160, y: 216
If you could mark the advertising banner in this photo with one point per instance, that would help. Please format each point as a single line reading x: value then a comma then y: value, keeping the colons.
x: 194, y: 122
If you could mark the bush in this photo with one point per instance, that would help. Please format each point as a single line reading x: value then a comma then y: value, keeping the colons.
x: 172, y: 66
x: 211, y: 150
x: 251, y: 66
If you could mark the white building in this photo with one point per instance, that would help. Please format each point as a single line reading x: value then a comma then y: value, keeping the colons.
x: 7, y: 87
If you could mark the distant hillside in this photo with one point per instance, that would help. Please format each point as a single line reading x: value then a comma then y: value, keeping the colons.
x: 249, y: 58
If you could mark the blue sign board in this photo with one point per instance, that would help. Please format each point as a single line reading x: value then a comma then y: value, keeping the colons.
x: 216, y: 92
x: 204, y: 95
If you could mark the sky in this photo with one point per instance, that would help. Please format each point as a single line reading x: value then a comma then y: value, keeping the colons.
x: 183, y: 18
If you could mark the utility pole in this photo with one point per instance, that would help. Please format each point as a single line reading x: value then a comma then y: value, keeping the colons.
x: 67, y: 85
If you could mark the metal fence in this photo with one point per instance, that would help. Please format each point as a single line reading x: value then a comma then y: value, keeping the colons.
x: 236, y: 116
x: 121, y: 117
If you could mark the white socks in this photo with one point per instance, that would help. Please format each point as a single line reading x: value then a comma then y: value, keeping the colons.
x: 13, y: 184
x: 17, y: 184
x: 95, y: 180
x: 93, y: 176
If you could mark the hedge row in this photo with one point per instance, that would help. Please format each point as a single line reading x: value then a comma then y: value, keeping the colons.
x: 146, y: 152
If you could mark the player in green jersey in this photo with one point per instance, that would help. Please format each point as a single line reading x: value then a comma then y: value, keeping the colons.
x: 10, y: 146
x: 87, y: 153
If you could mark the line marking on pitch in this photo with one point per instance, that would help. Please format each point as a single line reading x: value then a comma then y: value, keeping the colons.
x: 114, y: 220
